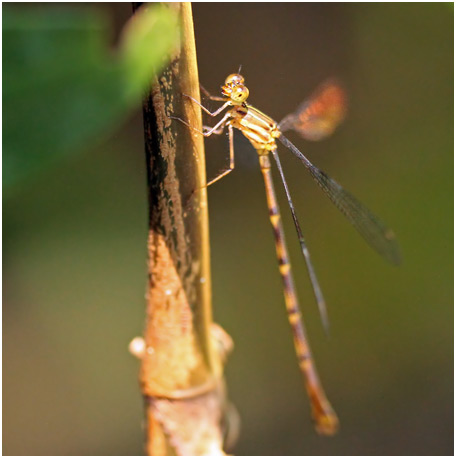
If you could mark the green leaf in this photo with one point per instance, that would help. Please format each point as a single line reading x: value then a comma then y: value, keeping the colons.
x: 64, y: 88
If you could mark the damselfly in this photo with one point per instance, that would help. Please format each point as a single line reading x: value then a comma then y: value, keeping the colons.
x: 315, y: 119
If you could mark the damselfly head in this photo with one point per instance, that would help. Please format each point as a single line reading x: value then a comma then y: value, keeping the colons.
x: 234, y: 78
x: 234, y: 88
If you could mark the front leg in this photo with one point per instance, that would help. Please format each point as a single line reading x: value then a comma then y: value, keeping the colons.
x: 216, y: 112
x: 210, y: 96
x: 207, y: 132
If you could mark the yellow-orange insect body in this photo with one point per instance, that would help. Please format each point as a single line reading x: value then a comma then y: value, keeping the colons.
x: 314, y: 120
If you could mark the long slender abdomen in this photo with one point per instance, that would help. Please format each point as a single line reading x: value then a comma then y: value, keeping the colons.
x: 325, y: 418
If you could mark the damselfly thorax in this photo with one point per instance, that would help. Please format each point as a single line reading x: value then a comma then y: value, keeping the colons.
x: 259, y: 128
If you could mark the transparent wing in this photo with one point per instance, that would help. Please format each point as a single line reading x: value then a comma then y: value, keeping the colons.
x: 371, y: 228
x: 305, y: 251
x: 318, y: 116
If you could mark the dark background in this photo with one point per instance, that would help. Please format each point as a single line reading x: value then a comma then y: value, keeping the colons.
x: 75, y: 249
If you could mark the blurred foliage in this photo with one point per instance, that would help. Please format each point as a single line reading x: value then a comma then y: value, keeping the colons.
x: 63, y: 88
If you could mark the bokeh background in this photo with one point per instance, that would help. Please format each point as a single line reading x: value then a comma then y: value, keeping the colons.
x: 75, y: 249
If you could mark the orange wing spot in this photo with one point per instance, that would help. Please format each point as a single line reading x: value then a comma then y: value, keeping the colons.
x: 319, y: 116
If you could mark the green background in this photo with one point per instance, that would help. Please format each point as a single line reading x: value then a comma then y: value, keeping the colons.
x: 75, y: 249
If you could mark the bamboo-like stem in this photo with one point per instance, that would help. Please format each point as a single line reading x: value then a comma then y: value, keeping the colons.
x: 181, y: 372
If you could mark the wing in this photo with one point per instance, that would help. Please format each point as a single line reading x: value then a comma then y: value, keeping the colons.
x: 318, y: 116
x: 305, y: 251
x: 371, y: 228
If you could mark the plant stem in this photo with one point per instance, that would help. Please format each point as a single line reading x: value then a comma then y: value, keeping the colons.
x: 181, y: 372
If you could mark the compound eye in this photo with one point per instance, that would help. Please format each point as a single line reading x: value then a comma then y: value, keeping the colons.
x: 239, y: 94
x: 234, y: 78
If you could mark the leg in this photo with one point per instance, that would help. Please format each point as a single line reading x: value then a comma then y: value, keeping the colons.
x: 313, y: 278
x: 325, y: 418
x: 216, y: 112
x: 216, y: 132
x: 217, y: 129
x: 231, y: 167
x: 209, y: 96
x: 231, y: 143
